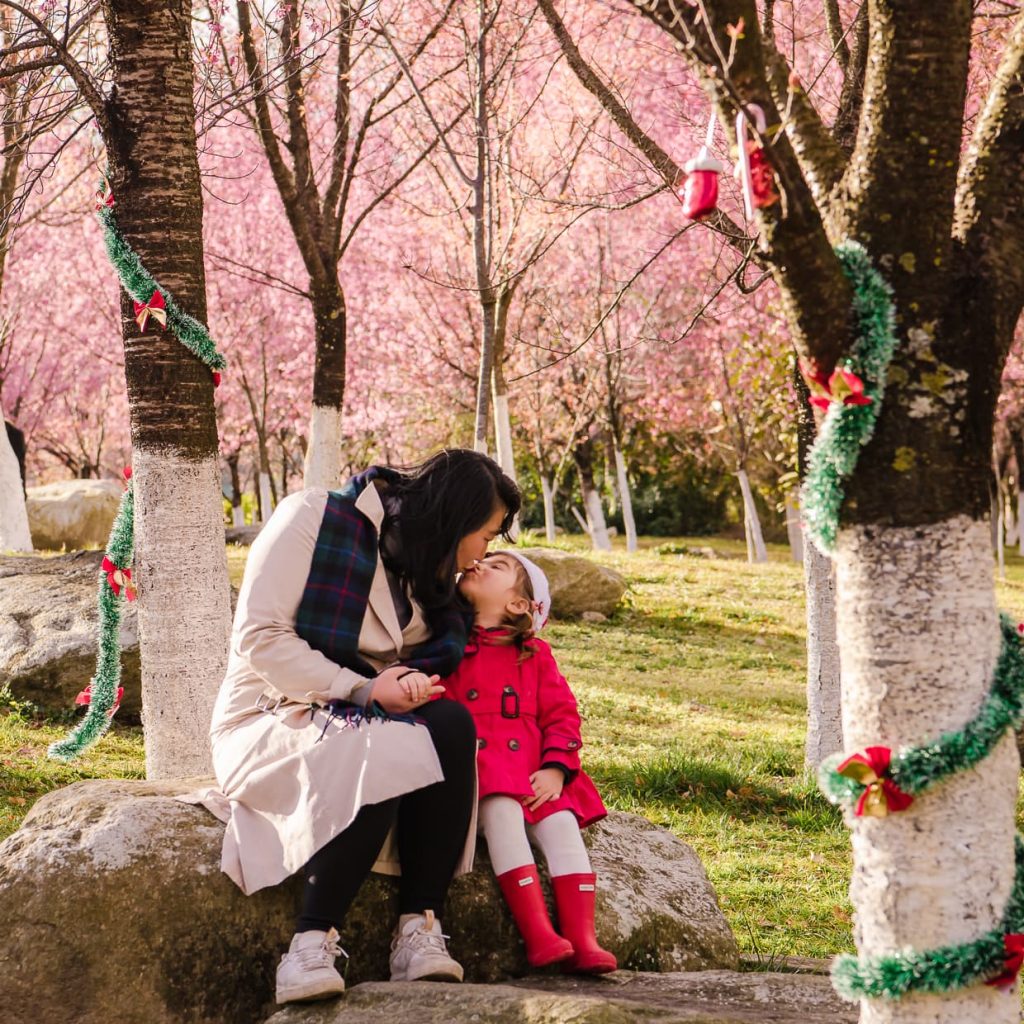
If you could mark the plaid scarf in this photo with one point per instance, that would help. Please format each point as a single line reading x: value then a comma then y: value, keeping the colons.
x: 333, y: 605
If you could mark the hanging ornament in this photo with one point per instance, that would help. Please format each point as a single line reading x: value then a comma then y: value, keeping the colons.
x: 700, y: 191
x: 155, y: 308
x: 216, y: 378
x: 84, y: 699
x: 1013, y: 949
x: 104, y: 196
x: 752, y: 167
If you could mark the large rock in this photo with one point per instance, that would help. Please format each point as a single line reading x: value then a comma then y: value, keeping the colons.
x: 73, y: 514
x: 578, y: 585
x: 710, y: 997
x: 48, y: 624
x: 113, y: 908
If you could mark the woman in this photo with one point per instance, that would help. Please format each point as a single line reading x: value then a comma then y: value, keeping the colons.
x: 347, y: 617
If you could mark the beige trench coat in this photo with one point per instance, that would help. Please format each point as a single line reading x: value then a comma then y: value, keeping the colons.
x: 283, y: 791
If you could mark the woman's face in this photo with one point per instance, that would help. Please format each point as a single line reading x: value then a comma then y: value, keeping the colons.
x: 473, y: 546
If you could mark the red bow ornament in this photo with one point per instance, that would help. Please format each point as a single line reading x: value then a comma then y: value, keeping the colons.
x: 1013, y: 959
x: 881, y: 795
x: 85, y: 699
x: 842, y: 385
x: 104, y: 197
x: 118, y: 578
x: 216, y: 378
x: 155, y: 308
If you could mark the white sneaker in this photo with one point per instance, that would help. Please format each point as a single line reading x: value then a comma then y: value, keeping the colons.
x: 418, y: 952
x: 306, y: 972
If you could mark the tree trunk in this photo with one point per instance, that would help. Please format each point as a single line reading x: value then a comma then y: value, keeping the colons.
x: 794, y: 534
x: 756, y: 551
x: 824, y: 712
x: 1018, y: 454
x: 14, y: 530
x: 323, y: 452
x: 549, y: 508
x: 625, y: 498
x: 237, y: 511
x: 918, y: 631
x: 583, y: 454
x: 184, y: 599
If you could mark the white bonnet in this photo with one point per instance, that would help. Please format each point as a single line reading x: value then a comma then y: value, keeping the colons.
x: 541, y: 590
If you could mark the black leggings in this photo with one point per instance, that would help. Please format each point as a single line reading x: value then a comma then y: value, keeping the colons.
x: 432, y: 826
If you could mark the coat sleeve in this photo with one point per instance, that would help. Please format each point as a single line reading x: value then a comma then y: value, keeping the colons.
x: 557, y: 715
x: 264, y: 629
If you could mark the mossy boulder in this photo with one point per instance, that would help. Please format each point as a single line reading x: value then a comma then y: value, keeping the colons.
x: 113, y: 908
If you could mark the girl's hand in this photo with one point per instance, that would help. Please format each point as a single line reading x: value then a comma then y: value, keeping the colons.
x: 399, y: 695
x: 547, y: 785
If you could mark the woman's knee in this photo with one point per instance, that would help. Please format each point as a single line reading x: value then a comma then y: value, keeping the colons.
x: 449, y: 722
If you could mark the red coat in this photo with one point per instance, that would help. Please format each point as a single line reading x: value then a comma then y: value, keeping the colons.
x: 525, y: 717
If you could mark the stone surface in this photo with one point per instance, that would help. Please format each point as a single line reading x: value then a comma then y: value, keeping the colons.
x: 72, y: 514
x: 578, y: 585
x: 244, y: 535
x: 48, y: 623
x: 707, y: 997
x: 113, y: 908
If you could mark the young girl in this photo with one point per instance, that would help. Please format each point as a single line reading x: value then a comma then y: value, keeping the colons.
x: 530, y: 782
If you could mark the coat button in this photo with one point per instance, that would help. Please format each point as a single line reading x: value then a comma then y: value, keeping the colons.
x: 513, y: 744
x: 472, y: 695
x: 509, y: 689
x: 481, y: 743
x: 572, y: 744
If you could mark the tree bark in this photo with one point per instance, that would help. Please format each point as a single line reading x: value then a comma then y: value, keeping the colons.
x: 583, y: 455
x: 14, y: 529
x: 918, y: 630
x: 756, y: 551
x: 824, y: 705
x: 626, y: 499
x: 323, y: 453
x: 794, y: 534
x: 181, y: 566
x: 237, y: 511
x: 549, y: 508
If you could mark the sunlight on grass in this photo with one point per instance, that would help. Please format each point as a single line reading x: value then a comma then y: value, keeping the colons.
x: 693, y: 699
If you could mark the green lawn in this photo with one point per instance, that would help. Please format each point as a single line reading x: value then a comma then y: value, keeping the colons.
x: 694, y: 708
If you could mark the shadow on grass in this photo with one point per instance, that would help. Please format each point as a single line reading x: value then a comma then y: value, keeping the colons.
x: 679, y: 782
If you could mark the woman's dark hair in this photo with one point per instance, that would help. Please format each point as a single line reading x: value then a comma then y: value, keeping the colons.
x: 440, y: 501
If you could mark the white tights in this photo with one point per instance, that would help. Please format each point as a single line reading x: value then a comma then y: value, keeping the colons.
x: 509, y: 836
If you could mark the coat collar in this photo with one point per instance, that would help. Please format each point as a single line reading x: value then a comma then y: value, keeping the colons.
x: 381, y: 601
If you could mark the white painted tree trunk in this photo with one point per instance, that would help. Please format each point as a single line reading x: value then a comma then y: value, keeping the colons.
x: 756, y: 551
x: 266, y: 497
x: 824, y: 711
x: 14, y: 531
x: 626, y: 499
x: 919, y: 638
x: 184, y: 607
x: 549, y: 509
x: 237, y: 515
x: 503, y: 436
x: 1020, y: 521
x: 322, y: 466
x: 794, y: 532
x: 596, y: 524
x: 1000, y: 527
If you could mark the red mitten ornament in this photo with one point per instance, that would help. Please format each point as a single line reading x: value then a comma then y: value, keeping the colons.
x: 752, y: 167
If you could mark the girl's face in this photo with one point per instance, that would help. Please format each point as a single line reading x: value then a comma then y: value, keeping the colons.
x: 492, y: 587
x: 473, y: 547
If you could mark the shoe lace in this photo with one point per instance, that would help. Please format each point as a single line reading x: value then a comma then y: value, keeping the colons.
x: 432, y: 941
x: 322, y: 955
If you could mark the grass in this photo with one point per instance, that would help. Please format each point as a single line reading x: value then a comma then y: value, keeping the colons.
x: 693, y: 698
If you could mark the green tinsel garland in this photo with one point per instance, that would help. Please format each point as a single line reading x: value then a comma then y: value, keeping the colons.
x: 103, y: 686
x: 937, y: 970
x: 915, y: 770
x: 847, y: 428
x: 140, y: 285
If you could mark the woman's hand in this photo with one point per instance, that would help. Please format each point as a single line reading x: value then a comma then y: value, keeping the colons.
x: 547, y: 785
x: 399, y: 689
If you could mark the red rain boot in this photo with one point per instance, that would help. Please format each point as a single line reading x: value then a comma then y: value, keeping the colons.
x: 522, y: 891
x: 574, y: 899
